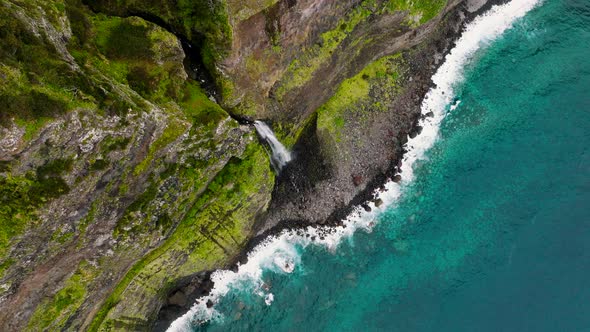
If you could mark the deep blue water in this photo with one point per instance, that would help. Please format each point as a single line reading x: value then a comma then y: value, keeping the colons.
x: 494, y: 233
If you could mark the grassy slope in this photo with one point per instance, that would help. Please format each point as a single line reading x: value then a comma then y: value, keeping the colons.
x: 215, y: 227
x: 352, y: 95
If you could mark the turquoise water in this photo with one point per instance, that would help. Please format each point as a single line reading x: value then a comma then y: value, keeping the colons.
x: 493, y: 234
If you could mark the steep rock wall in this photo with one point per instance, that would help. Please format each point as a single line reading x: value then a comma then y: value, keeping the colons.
x: 111, y: 159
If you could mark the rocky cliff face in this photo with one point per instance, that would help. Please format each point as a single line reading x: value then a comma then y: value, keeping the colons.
x: 123, y: 170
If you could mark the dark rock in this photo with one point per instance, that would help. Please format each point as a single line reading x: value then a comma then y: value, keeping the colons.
x: 241, y: 305
x: 378, y: 202
x: 357, y: 180
x: 209, y: 303
x: 419, y: 129
x: 397, y: 178
x: 179, y: 299
x: 403, y: 139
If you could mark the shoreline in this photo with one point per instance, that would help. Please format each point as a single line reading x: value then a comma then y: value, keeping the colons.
x: 201, y: 284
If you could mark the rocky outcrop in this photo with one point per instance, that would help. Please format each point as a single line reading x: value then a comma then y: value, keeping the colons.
x: 122, y: 177
x: 353, y: 113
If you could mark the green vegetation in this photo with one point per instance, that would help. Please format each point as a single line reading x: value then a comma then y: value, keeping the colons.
x: 111, y: 143
x: 5, y: 265
x: 204, y: 23
x: 172, y: 132
x: 421, y: 11
x: 123, y: 38
x: 114, y: 58
x: 301, y: 70
x: 53, y: 313
x: 99, y: 165
x: 21, y: 196
x: 135, y: 53
x: 350, y: 95
x: 243, y: 9
x: 215, y: 227
x: 38, y: 83
x: 199, y: 108
x: 35, y: 83
x: 125, y: 225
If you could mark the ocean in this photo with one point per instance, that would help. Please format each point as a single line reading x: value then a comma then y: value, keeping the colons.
x: 489, y: 229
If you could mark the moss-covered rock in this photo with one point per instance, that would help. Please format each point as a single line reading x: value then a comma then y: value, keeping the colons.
x: 204, y: 23
x: 106, y: 147
x: 215, y: 228
x: 371, y: 90
x: 53, y: 314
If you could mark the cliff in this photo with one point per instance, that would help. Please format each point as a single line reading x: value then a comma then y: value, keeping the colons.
x: 127, y: 164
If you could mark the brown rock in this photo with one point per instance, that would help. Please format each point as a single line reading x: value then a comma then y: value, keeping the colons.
x: 357, y: 180
x: 179, y: 299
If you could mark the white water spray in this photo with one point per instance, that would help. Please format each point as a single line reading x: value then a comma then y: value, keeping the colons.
x: 281, y: 254
x: 280, y: 155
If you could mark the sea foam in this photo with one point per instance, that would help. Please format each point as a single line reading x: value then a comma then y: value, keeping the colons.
x: 281, y: 253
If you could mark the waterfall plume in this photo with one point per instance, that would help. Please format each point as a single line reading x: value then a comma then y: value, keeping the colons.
x: 280, y: 156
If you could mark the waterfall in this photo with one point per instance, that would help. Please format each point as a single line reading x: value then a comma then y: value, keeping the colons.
x: 280, y: 155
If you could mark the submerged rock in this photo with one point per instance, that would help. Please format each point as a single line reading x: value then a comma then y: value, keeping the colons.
x: 378, y: 202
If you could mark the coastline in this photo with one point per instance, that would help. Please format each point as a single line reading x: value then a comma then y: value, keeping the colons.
x: 441, y: 44
x: 137, y: 188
